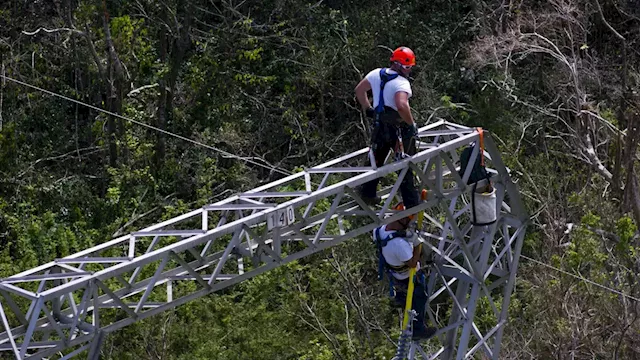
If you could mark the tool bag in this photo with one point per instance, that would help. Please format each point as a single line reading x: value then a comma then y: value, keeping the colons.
x: 478, y: 172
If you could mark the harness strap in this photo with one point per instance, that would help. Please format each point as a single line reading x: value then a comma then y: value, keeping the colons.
x: 384, y: 79
x: 382, y: 263
x: 481, y: 141
x: 398, y: 269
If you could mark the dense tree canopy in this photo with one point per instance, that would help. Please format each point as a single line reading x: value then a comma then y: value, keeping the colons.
x: 555, y: 81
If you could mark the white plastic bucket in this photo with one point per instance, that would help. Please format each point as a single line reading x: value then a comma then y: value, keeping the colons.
x: 483, y: 207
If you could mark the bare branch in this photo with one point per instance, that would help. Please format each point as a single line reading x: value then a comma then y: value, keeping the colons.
x: 94, y: 53
x: 91, y: 150
x: 595, y: 160
x: 145, y: 87
x: 607, y: 123
x: 84, y: 34
x: 606, y: 23
x: 31, y: 33
x: 603, y: 233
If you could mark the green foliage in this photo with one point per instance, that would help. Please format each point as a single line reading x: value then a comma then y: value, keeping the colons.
x: 585, y: 249
x: 274, y: 81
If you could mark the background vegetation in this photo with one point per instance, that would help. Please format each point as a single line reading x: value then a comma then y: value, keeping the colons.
x: 555, y: 81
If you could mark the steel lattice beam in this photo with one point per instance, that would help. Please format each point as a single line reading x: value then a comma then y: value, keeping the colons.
x: 70, y: 304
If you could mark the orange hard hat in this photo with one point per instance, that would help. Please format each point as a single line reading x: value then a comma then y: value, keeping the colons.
x: 400, y: 207
x: 404, y: 56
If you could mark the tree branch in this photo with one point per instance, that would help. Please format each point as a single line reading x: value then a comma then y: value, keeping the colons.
x: 606, y: 23
x: 145, y: 87
x: 73, y: 30
x: 590, y: 152
x: 31, y: 33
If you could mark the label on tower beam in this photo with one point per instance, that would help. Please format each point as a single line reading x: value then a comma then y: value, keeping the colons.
x: 291, y: 215
x: 281, y: 217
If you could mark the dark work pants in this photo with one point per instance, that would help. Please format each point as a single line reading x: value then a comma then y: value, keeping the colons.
x: 420, y: 297
x: 384, y: 140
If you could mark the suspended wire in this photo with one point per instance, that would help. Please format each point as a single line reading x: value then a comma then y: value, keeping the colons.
x: 583, y: 279
x: 223, y: 152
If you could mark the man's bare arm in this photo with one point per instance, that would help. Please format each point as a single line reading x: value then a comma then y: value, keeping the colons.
x: 361, y: 93
x: 413, y: 262
x: 402, y: 102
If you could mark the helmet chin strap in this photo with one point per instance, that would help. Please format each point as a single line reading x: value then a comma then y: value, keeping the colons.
x: 395, y: 66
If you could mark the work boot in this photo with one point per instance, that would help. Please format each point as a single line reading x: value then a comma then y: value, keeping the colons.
x: 397, y: 303
x: 371, y: 201
x: 400, y: 299
x: 423, y: 333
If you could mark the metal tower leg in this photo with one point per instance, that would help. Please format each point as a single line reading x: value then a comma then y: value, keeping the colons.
x: 476, y: 288
x: 96, y: 344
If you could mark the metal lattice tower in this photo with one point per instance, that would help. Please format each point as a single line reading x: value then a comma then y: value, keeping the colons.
x: 70, y: 304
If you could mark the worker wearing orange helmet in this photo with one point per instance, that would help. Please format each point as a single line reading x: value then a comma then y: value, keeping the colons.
x: 398, y: 251
x: 392, y: 118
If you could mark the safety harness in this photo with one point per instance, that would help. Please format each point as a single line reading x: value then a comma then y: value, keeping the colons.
x: 382, y: 263
x: 384, y: 79
x: 382, y: 109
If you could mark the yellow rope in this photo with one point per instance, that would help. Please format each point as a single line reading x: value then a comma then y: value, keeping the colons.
x: 407, y: 306
x: 412, y: 271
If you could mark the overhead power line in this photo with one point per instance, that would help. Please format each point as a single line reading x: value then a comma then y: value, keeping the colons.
x: 582, y: 278
x: 223, y: 152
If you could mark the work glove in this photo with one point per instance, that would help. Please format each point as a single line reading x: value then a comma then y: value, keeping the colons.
x: 414, y: 126
x: 370, y: 112
x: 415, y: 240
x: 411, y: 234
x: 400, y: 156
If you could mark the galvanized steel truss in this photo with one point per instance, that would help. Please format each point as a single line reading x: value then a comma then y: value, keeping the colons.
x: 70, y: 304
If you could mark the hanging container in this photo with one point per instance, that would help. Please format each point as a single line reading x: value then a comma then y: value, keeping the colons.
x: 483, y: 207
